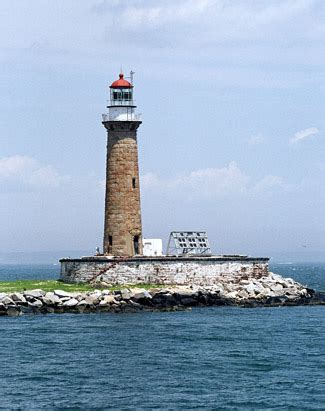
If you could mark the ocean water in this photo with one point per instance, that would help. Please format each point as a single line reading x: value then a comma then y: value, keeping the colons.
x: 12, y: 272
x: 216, y: 358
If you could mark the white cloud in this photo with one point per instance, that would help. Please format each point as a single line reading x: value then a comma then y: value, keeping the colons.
x: 141, y: 14
x: 214, y: 181
x: 304, y: 134
x: 255, y: 140
x: 211, y: 183
x: 238, y: 42
x: 205, y: 183
x: 269, y: 182
x: 17, y: 171
x: 13, y: 166
x: 158, y: 15
x: 220, y: 21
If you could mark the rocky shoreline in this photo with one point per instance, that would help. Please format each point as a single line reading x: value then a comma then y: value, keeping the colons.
x: 270, y: 291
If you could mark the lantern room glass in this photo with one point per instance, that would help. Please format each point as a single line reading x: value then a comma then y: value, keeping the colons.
x: 121, y: 97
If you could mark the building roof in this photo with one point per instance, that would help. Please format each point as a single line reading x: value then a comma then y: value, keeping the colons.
x: 121, y: 83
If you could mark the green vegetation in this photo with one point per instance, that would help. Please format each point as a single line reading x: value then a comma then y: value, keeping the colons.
x: 46, y: 285
x: 51, y: 285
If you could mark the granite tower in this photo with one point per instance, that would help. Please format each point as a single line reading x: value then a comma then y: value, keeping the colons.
x: 122, y: 227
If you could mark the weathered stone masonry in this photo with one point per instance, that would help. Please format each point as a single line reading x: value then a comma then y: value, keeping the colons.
x: 122, y: 232
x: 163, y: 270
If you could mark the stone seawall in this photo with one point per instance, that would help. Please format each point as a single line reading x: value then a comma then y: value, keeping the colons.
x: 162, y: 270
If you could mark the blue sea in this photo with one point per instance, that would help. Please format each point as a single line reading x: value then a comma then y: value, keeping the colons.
x: 217, y: 358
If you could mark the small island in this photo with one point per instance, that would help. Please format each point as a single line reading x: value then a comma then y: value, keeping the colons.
x: 21, y: 297
x: 123, y: 278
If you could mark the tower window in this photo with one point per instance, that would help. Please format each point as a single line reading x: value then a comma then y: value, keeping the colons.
x: 136, y: 244
x: 110, y: 240
x: 133, y: 182
x: 117, y: 95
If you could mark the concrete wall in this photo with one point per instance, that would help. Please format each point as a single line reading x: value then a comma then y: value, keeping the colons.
x: 162, y: 270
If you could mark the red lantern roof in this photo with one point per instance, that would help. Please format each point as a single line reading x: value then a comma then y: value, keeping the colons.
x: 121, y: 83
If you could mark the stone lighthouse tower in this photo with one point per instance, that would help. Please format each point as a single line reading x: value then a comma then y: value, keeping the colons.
x: 123, y: 230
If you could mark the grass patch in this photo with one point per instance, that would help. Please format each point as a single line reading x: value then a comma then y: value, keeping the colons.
x: 51, y: 285
x: 46, y: 285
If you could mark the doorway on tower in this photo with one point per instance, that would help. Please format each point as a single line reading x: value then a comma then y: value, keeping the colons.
x: 110, y: 244
x: 136, y: 244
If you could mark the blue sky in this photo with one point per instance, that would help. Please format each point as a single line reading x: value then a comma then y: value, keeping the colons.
x: 232, y: 140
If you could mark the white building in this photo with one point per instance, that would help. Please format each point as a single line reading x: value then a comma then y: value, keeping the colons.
x: 152, y: 247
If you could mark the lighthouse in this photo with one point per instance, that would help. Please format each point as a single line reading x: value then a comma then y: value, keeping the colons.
x: 122, y: 225
x: 124, y: 261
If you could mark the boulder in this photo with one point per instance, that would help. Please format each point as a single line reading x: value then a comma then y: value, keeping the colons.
x: 126, y: 294
x: 290, y: 291
x: 142, y: 295
x: 189, y: 301
x: 227, y: 287
x: 276, y: 301
x: 51, y: 299
x: 159, y: 297
x: 258, y: 283
x: 62, y: 293
x: 252, y: 289
x: 135, y: 305
x: 36, y: 303
x: 232, y: 295
x: 164, y: 300
x: 218, y: 287
x: 242, y: 294
x: 184, y: 293
x: 213, y: 294
x: 98, y: 293
x: 13, y: 311
x: 34, y: 293
x: 3, y: 310
x: 266, y: 293
x: 276, y: 277
x: 108, y: 299
x: 154, y: 291
x: 82, y: 303
x: 277, y: 288
x: 70, y: 303
x: 92, y: 299
x: 7, y: 301
x: 292, y: 297
x: 18, y: 297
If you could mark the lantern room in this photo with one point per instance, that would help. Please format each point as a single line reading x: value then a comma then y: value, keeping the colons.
x: 121, y: 105
x: 121, y: 92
